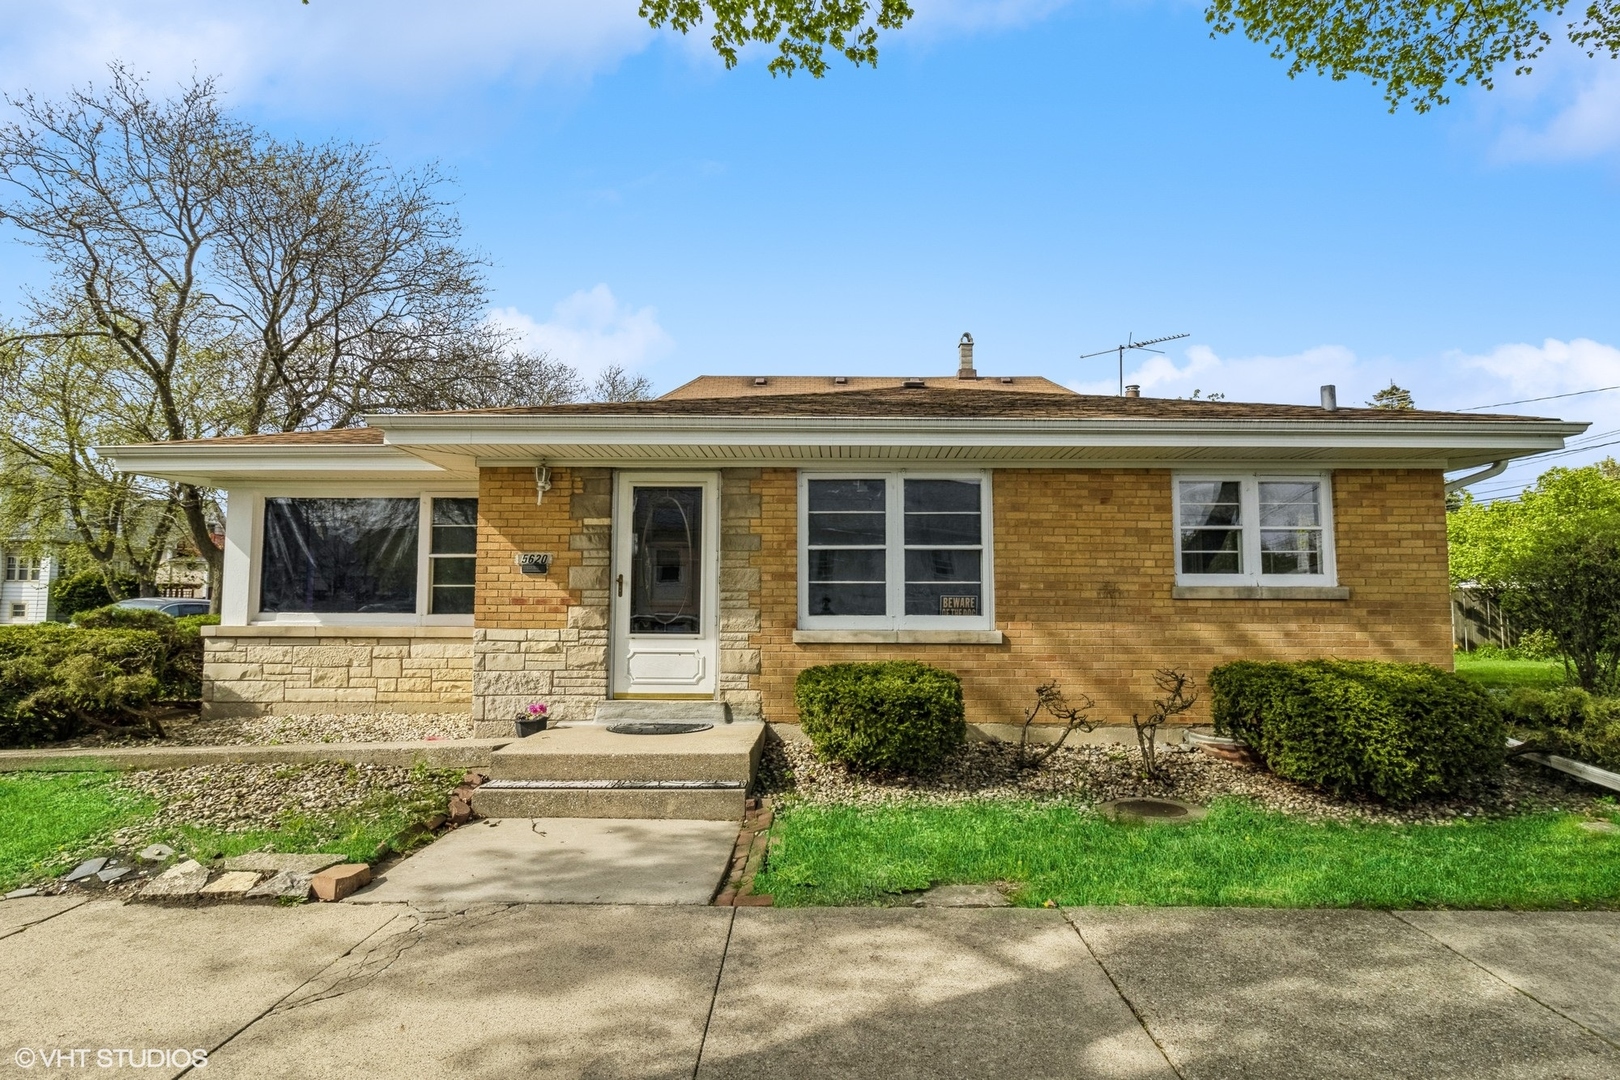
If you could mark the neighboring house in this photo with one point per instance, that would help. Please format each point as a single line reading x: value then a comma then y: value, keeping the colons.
x: 712, y: 543
x: 25, y: 588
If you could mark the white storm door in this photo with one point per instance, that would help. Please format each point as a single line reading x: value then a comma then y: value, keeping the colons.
x: 666, y: 583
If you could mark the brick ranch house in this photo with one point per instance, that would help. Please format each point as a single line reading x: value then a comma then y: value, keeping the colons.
x: 713, y: 542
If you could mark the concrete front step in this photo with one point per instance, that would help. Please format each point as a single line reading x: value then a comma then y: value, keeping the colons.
x: 706, y: 803
x: 728, y: 752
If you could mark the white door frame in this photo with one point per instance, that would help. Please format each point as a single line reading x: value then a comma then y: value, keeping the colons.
x: 623, y: 646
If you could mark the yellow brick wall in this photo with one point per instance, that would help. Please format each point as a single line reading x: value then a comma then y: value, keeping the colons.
x: 1084, y: 567
x: 510, y: 522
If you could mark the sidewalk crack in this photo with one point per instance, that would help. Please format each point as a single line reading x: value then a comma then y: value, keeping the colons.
x: 1129, y: 1004
x: 1511, y: 986
x: 720, y: 971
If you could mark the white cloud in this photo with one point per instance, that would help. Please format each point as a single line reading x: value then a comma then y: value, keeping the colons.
x: 1553, y: 367
x: 305, y: 52
x: 1566, y: 109
x: 1294, y: 378
x: 591, y: 330
x: 1453, y: 380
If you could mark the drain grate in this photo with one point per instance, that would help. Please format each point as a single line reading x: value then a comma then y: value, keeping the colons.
x: 652, y: 727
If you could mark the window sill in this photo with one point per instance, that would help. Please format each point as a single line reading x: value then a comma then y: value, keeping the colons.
x: 329, y: 630
x: 897, y: 637
x: 1260, y: 592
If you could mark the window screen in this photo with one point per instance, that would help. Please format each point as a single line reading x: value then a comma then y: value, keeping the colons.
x: 339, y: 555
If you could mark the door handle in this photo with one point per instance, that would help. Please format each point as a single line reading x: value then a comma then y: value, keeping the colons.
x: 621, y: 584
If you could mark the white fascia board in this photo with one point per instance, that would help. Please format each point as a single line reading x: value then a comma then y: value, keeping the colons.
x: 1436, y: 437
x: 226, y: 466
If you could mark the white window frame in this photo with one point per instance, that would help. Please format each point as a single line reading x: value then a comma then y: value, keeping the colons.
x: 424, y: 544
x: 1250, y: 521
x: 895, y: 554
x: 23, y: 568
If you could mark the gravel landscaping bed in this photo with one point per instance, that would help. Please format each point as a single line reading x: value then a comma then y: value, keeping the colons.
x: 242, y: 798
x: 1092, y: 774
x: 188, y: 729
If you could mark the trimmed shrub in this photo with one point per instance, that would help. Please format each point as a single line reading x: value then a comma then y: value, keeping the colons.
x: 897, y: 716
x: 56, y: 681
x: 1400, y: 732
x: 88, y: 589
x: 1567, y: 721
x: 180, y: 672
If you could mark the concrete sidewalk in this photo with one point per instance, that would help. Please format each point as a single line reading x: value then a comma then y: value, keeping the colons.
x: 682, y: 992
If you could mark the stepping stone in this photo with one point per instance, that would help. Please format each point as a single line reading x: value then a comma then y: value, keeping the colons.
x: 88, y: 868
x: 113, y: 873
x: 156, y: 852
x: 18, y: 894
x: 231, y: 885
x: 961, y: 896
x: 269, y: 862
x: 1600, y: 826
x: 183, y: 881
x: 287, y: 885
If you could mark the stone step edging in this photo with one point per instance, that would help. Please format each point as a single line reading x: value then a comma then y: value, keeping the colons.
x: 435, y: 753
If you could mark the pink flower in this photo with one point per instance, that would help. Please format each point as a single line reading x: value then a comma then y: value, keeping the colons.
x: 537, y: 708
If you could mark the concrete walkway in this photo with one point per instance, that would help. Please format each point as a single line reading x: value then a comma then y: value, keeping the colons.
x: 598, y: 991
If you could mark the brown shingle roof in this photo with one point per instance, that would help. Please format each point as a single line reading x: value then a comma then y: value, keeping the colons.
x: 972, y: 404
x: 735, y: 386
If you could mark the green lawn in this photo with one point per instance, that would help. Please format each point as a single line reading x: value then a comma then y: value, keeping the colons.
x: 1238, y: 856
x: 1508, y: 674
x: 50, y: 818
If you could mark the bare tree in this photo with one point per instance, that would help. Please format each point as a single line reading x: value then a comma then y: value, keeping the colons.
x: 616, y: 384
x: 248, y: 285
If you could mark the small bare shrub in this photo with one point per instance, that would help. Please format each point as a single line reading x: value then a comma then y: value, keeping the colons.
x: 1179, y: 696
x: 1049, y: 699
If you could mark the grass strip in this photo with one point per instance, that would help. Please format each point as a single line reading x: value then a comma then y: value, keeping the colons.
x: 1238, y: 856
x: 1496, y: 674
x: 52, y: 818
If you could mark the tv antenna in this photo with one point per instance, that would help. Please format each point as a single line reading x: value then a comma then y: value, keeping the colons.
x: 1131, y: 343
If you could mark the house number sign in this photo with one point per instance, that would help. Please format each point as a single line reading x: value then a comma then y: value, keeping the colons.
x: 534, y: 562
x: 959, y: 605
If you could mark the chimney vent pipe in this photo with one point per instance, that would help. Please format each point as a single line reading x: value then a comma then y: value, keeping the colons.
x: 1330, y: 398
x: 964, y: 352
x: 1132, y: 390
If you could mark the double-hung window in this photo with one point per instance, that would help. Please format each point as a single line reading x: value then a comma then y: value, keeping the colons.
x: 1254, y: 529
x: 20, y: 568
x: 894, y: 550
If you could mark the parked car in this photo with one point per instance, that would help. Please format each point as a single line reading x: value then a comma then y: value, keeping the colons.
x: 178, y: 606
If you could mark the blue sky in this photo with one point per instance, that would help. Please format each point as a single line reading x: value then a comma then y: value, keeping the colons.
x: 1049, y: 176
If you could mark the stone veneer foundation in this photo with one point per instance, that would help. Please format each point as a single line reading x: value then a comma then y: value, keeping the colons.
x: 545, y: 638
x: 252, y: 670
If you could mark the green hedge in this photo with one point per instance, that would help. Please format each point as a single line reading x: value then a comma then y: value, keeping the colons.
x: 897, y: 716
x: 89, y: 589
x: 56, y: 681
x: 1567, y: 721
x: 1397, y: 731
x: 59, y: 681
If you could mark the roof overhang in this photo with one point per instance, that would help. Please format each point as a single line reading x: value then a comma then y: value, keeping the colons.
x: 250, y: 465
x: 453, y: 446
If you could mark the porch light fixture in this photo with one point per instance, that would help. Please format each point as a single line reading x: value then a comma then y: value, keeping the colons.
x: 542, y: 483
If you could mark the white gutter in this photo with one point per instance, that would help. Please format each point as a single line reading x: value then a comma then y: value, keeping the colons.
x: 1496, y: 469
